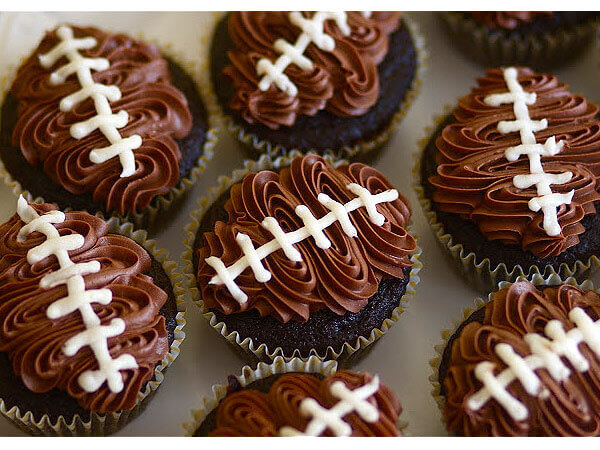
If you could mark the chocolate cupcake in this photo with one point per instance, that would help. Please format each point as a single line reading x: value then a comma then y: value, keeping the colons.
x: 538, y: 39
x: 509, y: 180
x: 309, y: 260
x: 322, y: 82
x: 298, y: 399
x: 102, y: 122
x: 90, y: 321
x: 526, y: 363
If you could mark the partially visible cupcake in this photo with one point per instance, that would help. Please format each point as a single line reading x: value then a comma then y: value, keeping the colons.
x: 326, y: 82
x: 538, y: 39
x: 298, y: 399
x: 103, y: 122
x: 509, y: 180
x: 526, y: 363
x: 90, y: 321
x: 309, y: 260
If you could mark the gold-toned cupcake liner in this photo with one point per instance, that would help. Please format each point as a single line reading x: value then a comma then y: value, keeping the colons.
x: 105, y: 424
x: 479, y: 272
x: 197, y: 70
x: 249, y: 375
x: 533, y: 49
x: 364, y: 148
x: 478, y: 303
x: 246, y: 346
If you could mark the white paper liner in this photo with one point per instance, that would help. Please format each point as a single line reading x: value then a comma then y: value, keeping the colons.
x: 105, y: 424
x: 263, y: 370
x: 446, y: 334
x: 262, y: 352
x: 347, y: 152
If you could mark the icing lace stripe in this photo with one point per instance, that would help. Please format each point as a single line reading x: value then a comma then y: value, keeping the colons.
x: 107, y: 122
x: 78, y: 298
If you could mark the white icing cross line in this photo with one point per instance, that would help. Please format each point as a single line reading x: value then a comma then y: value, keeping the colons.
x: 107, y: 122
x: 545, y: 354
x: 78, y: 297
x: 312, y: 227
x: 350, y: 401
x: 312, y: 31
x: 546, y: 201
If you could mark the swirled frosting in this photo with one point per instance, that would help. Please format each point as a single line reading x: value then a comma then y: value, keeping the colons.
x: 572, y: 407
x: 158, y: 112
x: 344, y: 81
x: 475, y: 180
x: 507, y: 20
x: 250, y: 412
x: 34, y: 343
x: 342, y: 277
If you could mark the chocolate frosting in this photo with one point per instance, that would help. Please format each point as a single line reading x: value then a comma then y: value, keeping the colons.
x: 474, y: 178
x: 158, y: 112
x: 572, y: 407
x: 341, y: 278
x: 34, y: 343
x: 344, y: 82
x: 250, y: 412
x: 507, y: 20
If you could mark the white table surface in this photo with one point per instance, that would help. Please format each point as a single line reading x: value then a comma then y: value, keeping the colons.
x: 402, y: 356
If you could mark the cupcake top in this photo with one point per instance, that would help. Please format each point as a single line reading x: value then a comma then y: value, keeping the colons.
x: 520, y: 161
x: 286, y: 64
x: 342, y: 404
x: 528, y: 363
x: 77, y: 312
x: 507, y: 20
x: 307, y: 238
x: 99, y: 112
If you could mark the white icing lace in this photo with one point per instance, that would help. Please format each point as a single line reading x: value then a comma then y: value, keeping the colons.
x: 78, y: 297
x: 546, y: 201
x: 350, y: 401
x: 107, y: 122
x: 545, y: 354
x: 312, y: 227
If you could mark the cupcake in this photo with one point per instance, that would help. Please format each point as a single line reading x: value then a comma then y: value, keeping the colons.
x: 104, y: 123
x: 327, y: 82
x: 509, y: 180
x: 89, y: 320
x: 539, y: 39
x: 526, y: 363
x: 298, y: 399
x: 310, y: 259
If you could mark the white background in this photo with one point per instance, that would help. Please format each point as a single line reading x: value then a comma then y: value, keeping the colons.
x: 402, y: 356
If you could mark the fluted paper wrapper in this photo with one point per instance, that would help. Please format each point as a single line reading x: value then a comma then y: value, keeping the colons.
x: 197, y: 70
x: 350, y: 351
x: 105, y: 424
x: 506, y: 48
x: 364, y: 150
x: 478, y: 303
x: 249, y: 375
x: 479, y: 272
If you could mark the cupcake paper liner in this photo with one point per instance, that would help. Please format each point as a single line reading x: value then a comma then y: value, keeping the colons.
x: 348, y: 352
x: 197, y: 70
x: 105, y: 424
x: 263, y: 370
x: 534, y: 49
x: 446, y: 334
x: 365, y: 149
x: 479, y: 272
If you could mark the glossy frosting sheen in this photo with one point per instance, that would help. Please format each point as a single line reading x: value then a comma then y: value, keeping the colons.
x: 572, y: 407
x: 250, y: 412
x: 158, y: 112
x: 507, y: 20
x: 342, y: 277
x: 343, y: 82
x: 475, y: 180
x: 34, y: 343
